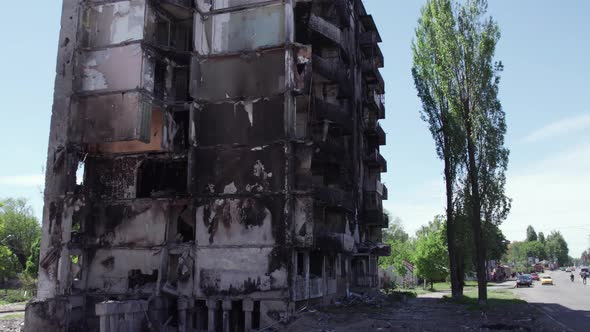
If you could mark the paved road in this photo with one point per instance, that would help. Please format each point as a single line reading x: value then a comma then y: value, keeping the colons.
x: 567, y: 303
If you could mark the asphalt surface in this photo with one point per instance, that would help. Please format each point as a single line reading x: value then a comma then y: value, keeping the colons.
x: 566, y: 303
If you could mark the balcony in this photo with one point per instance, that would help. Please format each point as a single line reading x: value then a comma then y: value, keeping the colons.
x: 316, y: 287
x: 368, y: 22
x: 366, y: 281
x: 373, y: 76
x: 179, y: 9
x: 374, y: 130
x: 334, y: 242
x: 334, y: 70
x: 369, y: 39
x: 327, y: 31
x: 333, y: 113
x: 378, y: 249
x: 374, y: 159
x: 375, y: 218
x: 334, y: 197
x: 374, y: 186
x: 374, y: 203
x: 375, y: 102
x: 331, y: 149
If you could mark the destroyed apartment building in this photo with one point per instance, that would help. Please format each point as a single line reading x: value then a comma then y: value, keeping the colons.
x: 213, y: 165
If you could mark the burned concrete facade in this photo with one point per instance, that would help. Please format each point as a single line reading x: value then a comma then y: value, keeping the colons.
x: 212, y: 165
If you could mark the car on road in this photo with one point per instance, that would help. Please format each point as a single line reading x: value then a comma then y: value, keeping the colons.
x: 524, y: 280
x: 535, y: 276
x: 546, y: 280
x: 568, y: 270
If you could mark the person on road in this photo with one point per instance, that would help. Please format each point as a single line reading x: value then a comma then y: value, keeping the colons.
x: 572, y: 277
x: 584, y: 276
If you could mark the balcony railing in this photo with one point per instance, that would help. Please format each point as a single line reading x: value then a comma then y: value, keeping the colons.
x: 334, y: 197
x: 367, y: 280
x: 334, y: 70
x: 374, y: 203
x: 375, y: 159
x: 336, y: 242
x: 374, y: 129
x: 369, y: 38
x: 375, y: 102
x: 374, y: 186
x: 316, y: 288
x: 325, y: 29
x: 334, y: 113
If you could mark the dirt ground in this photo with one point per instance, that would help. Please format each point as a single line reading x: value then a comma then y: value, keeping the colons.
x: 418, y: 314
x: 12, y: 322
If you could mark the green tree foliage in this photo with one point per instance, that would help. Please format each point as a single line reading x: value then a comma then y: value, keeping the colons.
x: 458, y: 79
x: 431, y: 79
x: 395, y: 231
x: 431, y: 256
x: 402, y: 247
x: 8, y: 263
x: 531, y: 235
x: 19, y: 228
x: 541, y: 237
x: 32, y: 267
x: 557, y: 248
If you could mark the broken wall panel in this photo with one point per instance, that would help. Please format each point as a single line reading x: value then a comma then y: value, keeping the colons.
x: 237, y: 271
x: 249, y: 122
x: 117, y: 179
x: 114, y: 69
x: 249, y: 29
x: 142, y: 224
x: 156, y: 140
x: 255, y: 170
x: 303, y: 222
x: 114, y: 23
x: 114, y: 118
x: 243, y: 221
x: 251, y: 75
x: 120, y: 271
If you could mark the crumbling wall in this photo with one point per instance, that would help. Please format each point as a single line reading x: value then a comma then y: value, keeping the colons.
x: 230, y: 151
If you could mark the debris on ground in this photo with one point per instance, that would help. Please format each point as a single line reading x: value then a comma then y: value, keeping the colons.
x: 379, y: 312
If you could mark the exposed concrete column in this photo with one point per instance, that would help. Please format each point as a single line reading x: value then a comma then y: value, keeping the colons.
x: 324, y: 283
x: 248, y: 306
x: 58, y: 170
x: 306, y: 273
x: 226, y: 306
x: 112, y: 312
x: 199, y: 313
x: 212, y: 307
x: 185, y: 306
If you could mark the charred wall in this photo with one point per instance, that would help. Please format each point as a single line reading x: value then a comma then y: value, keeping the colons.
x: 212, y: 164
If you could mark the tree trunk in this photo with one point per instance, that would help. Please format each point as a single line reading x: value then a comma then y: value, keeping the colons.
x: 476, y: 216
x: 456, y: 289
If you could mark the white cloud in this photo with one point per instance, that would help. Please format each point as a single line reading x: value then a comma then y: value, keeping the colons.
x: 552, y: 194
x: 23, y: 180
x: 565, y: 126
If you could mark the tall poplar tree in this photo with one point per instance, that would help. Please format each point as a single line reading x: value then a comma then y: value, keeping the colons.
x: 430, y: 79
x: 454, y: 57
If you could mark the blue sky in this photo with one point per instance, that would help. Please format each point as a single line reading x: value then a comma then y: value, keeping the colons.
x: 544, y: 91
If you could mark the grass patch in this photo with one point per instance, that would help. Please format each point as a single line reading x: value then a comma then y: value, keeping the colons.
x: 444, y: 287
x: 18, y: 315
x: 496, y: 298
x: 401, y: 294
x: 8, y: 296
